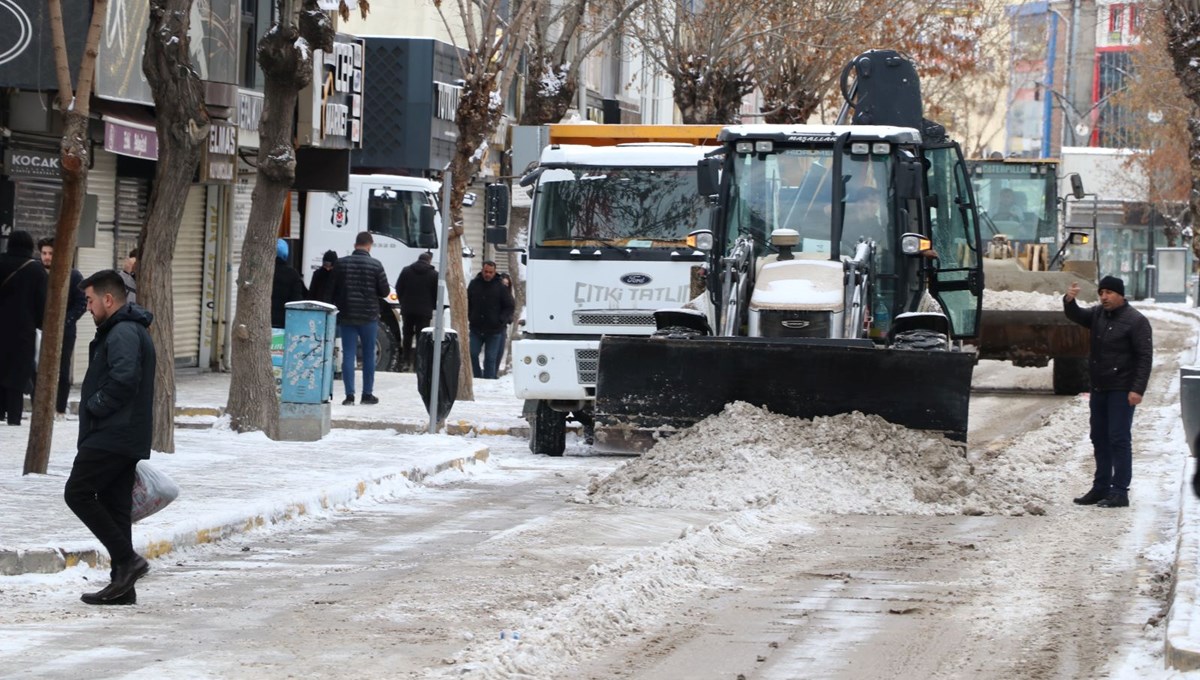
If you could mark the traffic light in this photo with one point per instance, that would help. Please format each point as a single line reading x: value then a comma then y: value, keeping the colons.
x: 495, y: 204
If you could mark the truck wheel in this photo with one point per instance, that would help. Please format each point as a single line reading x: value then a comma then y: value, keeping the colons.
x: 1071, y: 375
x: 387, y: 349
x: 547, y: 430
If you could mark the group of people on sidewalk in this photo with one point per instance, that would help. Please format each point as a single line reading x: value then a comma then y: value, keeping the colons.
x: 357, y: 284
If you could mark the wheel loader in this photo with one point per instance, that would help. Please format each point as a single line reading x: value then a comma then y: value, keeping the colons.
x: 844, y: 272
x: 1019, y: 208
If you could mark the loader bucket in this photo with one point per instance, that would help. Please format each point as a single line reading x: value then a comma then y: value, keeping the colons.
x: 650, y: 387
x: 1030, y: 337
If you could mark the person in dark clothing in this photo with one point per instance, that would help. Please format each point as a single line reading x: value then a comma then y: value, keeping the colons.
x: 320, y: 288
x: 76, y: 306
x: 129, y: 274
x: 287, y: 287
x: 1122, y: 355
x: 416, y: 289
x: 489, y: 309
x: 359, y: 282
x: 22, y: 302
x: 116, y: 422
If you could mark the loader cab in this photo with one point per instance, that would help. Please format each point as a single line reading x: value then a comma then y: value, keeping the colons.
x: 1018, y: 198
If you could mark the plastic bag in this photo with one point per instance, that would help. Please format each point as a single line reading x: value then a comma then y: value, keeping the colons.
x: 153, y: 490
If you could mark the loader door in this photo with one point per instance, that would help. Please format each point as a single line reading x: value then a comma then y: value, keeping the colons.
x: 957, y: 280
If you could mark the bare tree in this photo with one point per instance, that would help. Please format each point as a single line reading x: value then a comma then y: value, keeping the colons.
x: 76, y: 156
x: 1181, y: 22
x: 182, y: 124
x: 552, y: 67
x: 285, y: 55
x: 494, y: 32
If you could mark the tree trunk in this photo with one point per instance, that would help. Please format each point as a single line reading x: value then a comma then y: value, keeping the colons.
x: 548, y: 94
x: 252, y: 404
x: 182, y: 126
x: 75, y: 152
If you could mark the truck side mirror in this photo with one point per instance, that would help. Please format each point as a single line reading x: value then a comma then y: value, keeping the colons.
x: 495, y: 205
x: 496, y: 236
x: 1076, y: 185
x: 427, y: 238
x: 708, y: 176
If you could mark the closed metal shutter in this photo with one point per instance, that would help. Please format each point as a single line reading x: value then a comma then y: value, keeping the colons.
x: 187, y: 274
x: 102, y: 181
x: 35, y: 207
x: 243, y: 192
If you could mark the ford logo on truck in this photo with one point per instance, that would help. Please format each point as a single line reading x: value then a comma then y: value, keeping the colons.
x: 635, y: 279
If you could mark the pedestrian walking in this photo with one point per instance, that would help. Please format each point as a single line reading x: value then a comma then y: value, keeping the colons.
x: 116, y: 422
x: 489, y: 303
x: 1122, y: 354
x: 320, y: 288
x: 129, y: 274
x: 76, y: 306
x: 416, y: 289
x: 359, y: 283
x: 22, y: 302
x: 288, y: 285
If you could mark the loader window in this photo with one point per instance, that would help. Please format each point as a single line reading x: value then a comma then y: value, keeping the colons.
x: 629, y: 207
x: 1018, y: 201
x: 955, y: 237
x: 396, y: 214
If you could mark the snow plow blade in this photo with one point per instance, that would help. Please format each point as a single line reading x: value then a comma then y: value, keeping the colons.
x: 648, y: 388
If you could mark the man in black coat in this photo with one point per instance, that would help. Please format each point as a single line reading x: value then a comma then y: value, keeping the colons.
x: 76, y: 306
x: 489, y: 309
x: 116, y: 423
x: 358, y: 284
x: 416, y: 289
x: 1122, y: 354
x: 320, y: 288
x: 22, y: 301
x: 288, y: 285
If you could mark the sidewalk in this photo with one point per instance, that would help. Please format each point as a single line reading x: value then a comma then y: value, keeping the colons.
x: 231, y: 483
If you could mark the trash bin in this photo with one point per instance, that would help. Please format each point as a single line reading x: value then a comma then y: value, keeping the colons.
x: 308, y: 352
x: 451, y: 363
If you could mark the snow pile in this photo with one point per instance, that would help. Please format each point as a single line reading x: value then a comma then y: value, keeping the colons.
x: 1021, y: 300
x: 747, y: 457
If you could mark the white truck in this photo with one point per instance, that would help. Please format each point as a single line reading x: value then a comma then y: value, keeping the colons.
x: 613, y: 209
x: 388, y: 206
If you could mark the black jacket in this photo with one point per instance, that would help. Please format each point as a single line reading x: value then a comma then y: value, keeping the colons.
x: 489, y: 305
x: 358, y: 283
x: 22, y: 302
x: 287, y: 287
x: 1122, y: 352
x: 320, y: 288
x: 416, y: 289
x: 76, y: 302
x: 116, y: 401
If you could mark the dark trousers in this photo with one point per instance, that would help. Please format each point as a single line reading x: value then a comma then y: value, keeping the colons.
x: 12, y: 401
x: 64, y: 371
x: 352, y: 336
x: 491, y: 344
x: 1112, y: 440
x: 409, y: 331
x: 100, y: 493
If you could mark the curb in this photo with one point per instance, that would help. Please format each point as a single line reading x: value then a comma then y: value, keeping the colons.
x: 1182, y: 651
x: 51, y: 560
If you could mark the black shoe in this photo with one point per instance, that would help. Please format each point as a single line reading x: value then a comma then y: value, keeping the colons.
x: 370, y: 399
x: 1116, y: 500
x: 1092, y: 497
x: 348, y: 401
x: 124, y: 575
x: 97, y: 598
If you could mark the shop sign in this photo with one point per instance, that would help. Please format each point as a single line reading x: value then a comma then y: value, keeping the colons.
x: 331, y: 108
x: 130, y: 140
x: 31, y: 164
x: 218, y: 162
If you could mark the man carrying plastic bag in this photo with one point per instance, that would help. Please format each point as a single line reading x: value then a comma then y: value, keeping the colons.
x: 116, y: 422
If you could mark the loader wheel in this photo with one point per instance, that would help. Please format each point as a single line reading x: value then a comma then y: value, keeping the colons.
x: 920, y: 339
x: 548, y: 430
x: 1071, y: 376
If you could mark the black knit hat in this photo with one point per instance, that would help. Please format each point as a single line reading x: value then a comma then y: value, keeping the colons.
x: 1114, y: 284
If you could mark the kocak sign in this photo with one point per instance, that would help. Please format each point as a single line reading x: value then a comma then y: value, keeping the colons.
x: 28, y: 163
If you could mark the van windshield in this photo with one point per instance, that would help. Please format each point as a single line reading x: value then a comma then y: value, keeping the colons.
x: 631, y: 207
x: 395, y: 213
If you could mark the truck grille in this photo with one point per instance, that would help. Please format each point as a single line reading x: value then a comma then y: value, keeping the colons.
x: 613, y: 318
x: 794, y: 324
x: 586, y: 363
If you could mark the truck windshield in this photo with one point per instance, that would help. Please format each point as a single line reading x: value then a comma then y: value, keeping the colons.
x: 1016, y: 204
x: 791, y: 189
x: 395, y: 213
x: 630, y: 207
